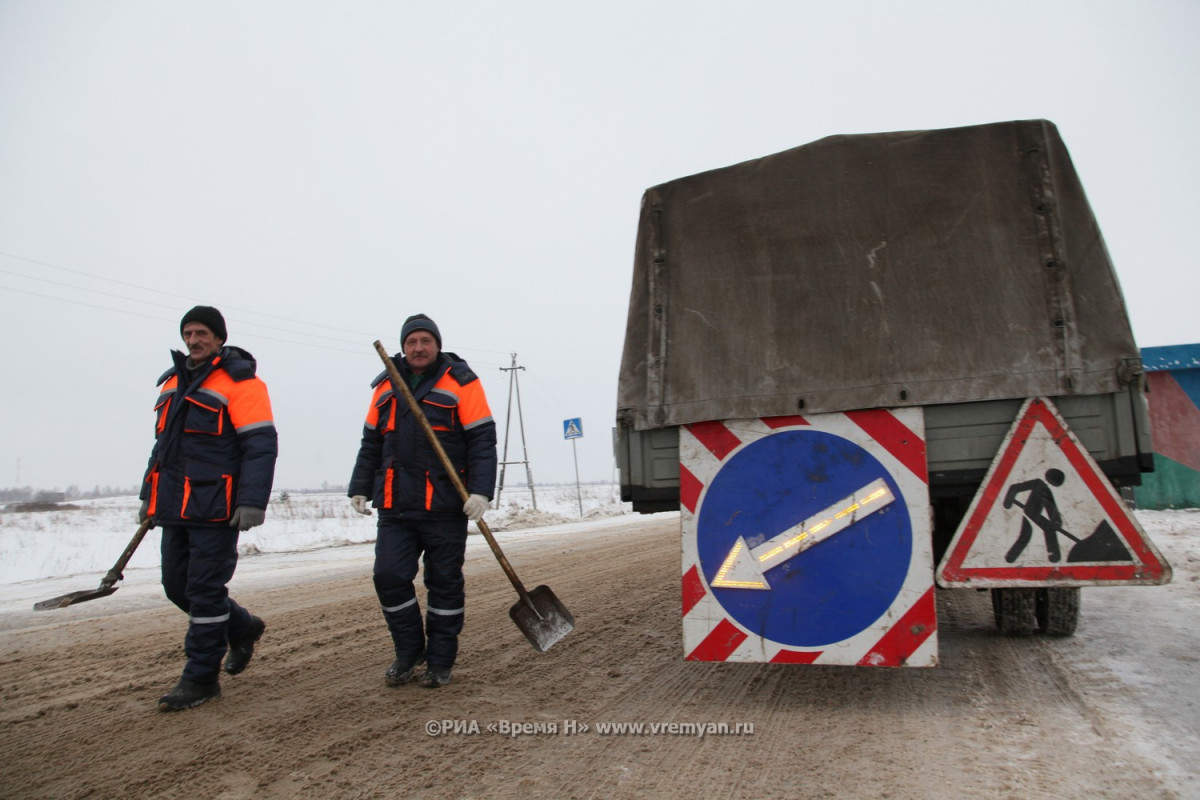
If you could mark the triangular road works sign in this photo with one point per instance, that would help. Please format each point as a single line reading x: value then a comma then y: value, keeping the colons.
x: 1045, y: 515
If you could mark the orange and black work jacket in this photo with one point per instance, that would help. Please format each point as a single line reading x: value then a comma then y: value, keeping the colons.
x: 215, y: 441
x: 397, y: 466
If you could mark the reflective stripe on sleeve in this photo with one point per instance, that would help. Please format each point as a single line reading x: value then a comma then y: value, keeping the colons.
x: 255, y: 426
x: 249, y: 404
x: 473, y: 407
x: 208, y: 620
x: 372, y: 420
x: 477, y: 423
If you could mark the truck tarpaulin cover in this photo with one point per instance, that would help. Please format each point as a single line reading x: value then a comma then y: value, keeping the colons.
x: 874, y: 270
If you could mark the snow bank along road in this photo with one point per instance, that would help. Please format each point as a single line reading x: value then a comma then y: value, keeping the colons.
x: 611, y: 712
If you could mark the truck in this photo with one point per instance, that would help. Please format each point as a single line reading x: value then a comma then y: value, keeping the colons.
x: 938, y: 305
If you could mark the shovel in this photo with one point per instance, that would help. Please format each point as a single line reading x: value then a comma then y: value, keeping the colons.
x: 108, y: 585
x: 539, y: 614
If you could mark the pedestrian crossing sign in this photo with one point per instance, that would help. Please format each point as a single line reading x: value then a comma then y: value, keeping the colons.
x: 573, y: 428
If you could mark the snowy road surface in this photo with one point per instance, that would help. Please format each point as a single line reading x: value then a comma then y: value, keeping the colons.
x: 1109, y: 713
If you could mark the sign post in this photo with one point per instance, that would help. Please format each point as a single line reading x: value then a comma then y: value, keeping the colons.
x: 573, y: 429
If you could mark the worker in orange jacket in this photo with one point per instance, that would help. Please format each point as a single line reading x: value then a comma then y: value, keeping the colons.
x: 420, y: 510
x: 209, y: 477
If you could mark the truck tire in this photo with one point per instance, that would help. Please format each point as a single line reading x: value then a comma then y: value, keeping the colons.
x: 1015, y: 611
x: 1057, y: 610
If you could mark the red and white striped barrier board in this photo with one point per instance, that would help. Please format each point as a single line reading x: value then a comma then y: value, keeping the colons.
x: 806, y: 540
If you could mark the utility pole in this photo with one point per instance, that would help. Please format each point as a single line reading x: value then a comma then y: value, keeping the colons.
x: 514, y: 386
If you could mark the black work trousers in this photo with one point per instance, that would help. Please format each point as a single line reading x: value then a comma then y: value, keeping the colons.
x: 197, y: 564
x: 401, y: 542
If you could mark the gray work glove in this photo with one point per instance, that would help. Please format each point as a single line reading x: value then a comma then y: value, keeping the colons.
x: 246, y: 517
x: 475, y: 506
x: 144, y: 512
x: 359, y: 504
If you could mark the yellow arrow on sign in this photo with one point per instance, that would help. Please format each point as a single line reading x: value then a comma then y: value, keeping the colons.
x: 744, y: 567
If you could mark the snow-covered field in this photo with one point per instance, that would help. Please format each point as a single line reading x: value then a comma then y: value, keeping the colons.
x: 87, y: 539
x: 39, y: 550
x: 71, y: 548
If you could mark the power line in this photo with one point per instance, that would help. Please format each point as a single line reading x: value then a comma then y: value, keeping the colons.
x: 548, y: 390
x: 81, y: 303
x: 79, y: 288
x: 157, y: 319
x: 143, y: 288
x: 147, y: 302
x: 187, y: 298
x: 253, y: 335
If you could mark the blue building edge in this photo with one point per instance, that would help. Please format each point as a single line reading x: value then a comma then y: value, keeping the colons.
x: 1173, y: 356
x: 1173, y: 483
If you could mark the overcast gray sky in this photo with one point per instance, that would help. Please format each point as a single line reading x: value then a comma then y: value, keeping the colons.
x: 321, y: 170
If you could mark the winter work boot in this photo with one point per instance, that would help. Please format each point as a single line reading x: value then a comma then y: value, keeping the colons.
x: 187, y: 694
x: 435, y: 677
x: 241, y: 650
x: 401, y: 670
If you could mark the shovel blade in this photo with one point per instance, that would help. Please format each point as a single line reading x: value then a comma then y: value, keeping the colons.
x: 64, y: 600
x: 546, y: 622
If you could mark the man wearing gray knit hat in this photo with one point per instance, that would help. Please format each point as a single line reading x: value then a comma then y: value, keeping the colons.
x: 420, y: 322
x: 420, y: 511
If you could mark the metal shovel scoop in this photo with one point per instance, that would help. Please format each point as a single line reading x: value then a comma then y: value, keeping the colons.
x: 539, y: 615
x: 108, y: 585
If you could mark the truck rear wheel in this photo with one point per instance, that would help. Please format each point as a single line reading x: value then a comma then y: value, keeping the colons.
x: 1057, y: 610
x: 1015, y: 611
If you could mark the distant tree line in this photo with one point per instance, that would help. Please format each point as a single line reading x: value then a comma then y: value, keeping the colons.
x: 28, y: 494
x: 582, y: 482
x: 326, y: 488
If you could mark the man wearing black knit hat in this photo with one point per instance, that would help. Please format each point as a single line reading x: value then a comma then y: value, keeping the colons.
x: 420, y: 511
x: 209, y: 478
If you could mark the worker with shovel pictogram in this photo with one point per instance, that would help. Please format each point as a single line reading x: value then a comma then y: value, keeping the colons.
x: 1041, y: 510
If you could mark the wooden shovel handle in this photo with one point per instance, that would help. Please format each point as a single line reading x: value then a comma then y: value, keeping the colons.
x: 402, y: 386
x: 114, y: 574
